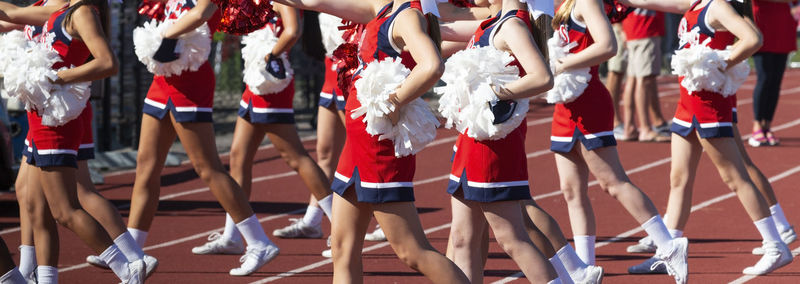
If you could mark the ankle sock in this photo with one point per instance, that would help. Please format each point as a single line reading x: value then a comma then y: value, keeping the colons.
x: 313, y: 216
x: 231, y: 233
x: 253, y: 233
x: 584, y: 247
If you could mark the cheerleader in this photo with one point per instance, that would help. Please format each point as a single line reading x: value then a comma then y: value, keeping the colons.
x: 270, y: 114
x: 180, y: 105
x: 488, y: 179
x: 583, y: 141
x: 370, y: 179
x: 705, y: 121
x: 53, y: 151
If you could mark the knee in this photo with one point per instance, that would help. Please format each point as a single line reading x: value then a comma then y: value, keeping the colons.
x: 64, y: 216
x: 459, y: 239
x: 293, y: 161
x: 572, y: 193
x: 206, y: 171
x: 409, y: 256
x: 612, y: 185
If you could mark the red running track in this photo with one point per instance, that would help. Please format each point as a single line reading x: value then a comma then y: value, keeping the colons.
x: 721, y: 233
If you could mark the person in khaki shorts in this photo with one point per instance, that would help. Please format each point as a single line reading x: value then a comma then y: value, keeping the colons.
x: 616, y: 73
x: 643, y: 30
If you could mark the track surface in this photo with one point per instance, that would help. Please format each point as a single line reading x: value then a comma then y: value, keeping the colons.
x: 720, y: 232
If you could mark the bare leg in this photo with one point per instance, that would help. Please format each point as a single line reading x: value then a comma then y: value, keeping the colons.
x: 404, y: 232
x: 330, y: 139
x: 348, y: 228
x: 154, y: 141
x: 246, y: 139
x: 285, y: 139
x: 546, y: 225
x: 25, y: 230
x: 466, y: 237
x: 45, y: 232
x: 654, y: 102
x: 761, y: 182
x: 686, y: 153
x: 96, y: 205
x: 613, y: 83
x: 628, y: 103
x: 574, y: 177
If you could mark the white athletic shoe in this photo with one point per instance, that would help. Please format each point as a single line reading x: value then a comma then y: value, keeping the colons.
x: 151, y: 263
x: 136, y: 272
x: 31, y: 278
x: 788, y: 237
x: 675, y: 259
x: 591, y: 275
x: 299, y: 230
x: 375, y: 236
x: 776, y: 255
x: 255, y: 258
x: 216, y: 245
x: 328, y: 253
x: 645, y: 245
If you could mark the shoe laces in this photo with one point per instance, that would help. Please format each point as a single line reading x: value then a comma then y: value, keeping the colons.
x: 663, y: 258
x: 252, y: 252
x: 214, y: 237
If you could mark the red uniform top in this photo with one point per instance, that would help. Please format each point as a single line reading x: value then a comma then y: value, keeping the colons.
x: 32, y: 32
x: 777, y: 25
x: 72, y: 52
x: 643, y: 23
x: 492, y: 170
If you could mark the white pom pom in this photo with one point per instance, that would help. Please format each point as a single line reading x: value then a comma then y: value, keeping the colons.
x: 416, y: 126
x: 734, y: 77
x: 331, y: 35
x: 29, y: 78
x: 570, y: 84
x: 66, y: 102
x: 12, y: 45
x: 466, y: 99
x: 704, y: 68
x: 258, y: 45
x: 193, y: 48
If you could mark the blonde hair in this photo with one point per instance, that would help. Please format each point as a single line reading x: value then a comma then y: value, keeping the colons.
x: 562, y: 15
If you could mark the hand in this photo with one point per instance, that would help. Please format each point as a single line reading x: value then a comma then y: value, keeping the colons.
x: 394, y: 116
x: 275, y: 67
x: 166, y: 51
x: 558, y: 68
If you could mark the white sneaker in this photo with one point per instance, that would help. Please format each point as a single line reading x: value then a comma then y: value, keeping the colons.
x: 645, y: 245
x: 591, y: 275
x: 255, y: 258
x: 216, y: 245
x: 151, y: 263
x: 31, y: 278
x: 776, y: 255
x: 375, y: 236
x: 299, y: 230
x: 328, y: 253
x: 788, y: 237
x: 136, y: 272
x: 675, y: 259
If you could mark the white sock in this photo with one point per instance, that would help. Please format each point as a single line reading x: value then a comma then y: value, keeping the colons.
x: 571, y: 261
x: 327, y: 206
x: 27, y: 259
x: 768, y: 230
x: 13, y: 276
x: 231, y: 233
x: 253, y: 233
x: 128, y: 246
x: 313, y: 216
x: 657, y: 231
x: 584, y: 247
x: 46, y: 274
x: 116, y: 260
x: 562, y: 272
x: 675, y: 233
x: 138, y: 235
x: 777, y: 216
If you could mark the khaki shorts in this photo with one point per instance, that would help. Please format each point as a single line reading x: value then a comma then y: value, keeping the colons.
x: 644, y: 57
x: 619, y: 62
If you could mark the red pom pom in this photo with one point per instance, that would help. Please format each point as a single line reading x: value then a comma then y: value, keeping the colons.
x: 345, y: 57
x: 243, y: 16
x: 462, y: 3
x: 152, y: 10
x: 616, y: 11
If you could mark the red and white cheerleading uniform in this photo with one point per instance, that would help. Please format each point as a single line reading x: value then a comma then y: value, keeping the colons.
x: 366, y: 163
x: 61, y: 146
x: 269, y: 108
x: 330, y: 93
x: 590, y: 118
x: 708, y: 112
x: 190, y: 95
x: 492, y: 170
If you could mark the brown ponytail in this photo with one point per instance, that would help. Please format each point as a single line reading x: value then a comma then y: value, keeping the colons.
x: 743, y: 8
x: 433, y: 30
x: 101, y: 6
x: 541, y: 31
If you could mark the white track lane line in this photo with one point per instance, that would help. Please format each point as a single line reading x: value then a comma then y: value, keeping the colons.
x: 699, y: 206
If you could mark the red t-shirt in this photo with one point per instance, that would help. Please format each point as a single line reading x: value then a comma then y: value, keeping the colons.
x: 777, y: 26
x: 643, y: 23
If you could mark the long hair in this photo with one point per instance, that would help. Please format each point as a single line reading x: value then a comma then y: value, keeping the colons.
x: 541, y: 31
x: 743, y: 8
x: 101, y: 6
x: 562, y: 15
x: 433, y: 30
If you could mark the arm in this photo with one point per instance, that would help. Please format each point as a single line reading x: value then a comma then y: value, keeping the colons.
x: 451, y: 47
x: 409, y: 33
x: 450, y: 12
x: 671, y: 6
x: 85, y: 25
x: 7, y: 27
x: 604, y: 46
x: 357, y: 11
x: 291, y: 29
x: 722, y: 17
x: 31, y: 15
x: 193, y: 19
x: 515, y: 37
x: 459, y: 30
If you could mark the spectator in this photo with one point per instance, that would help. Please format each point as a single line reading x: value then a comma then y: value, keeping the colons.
x: 778, y: 29
x: 616, y: 72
